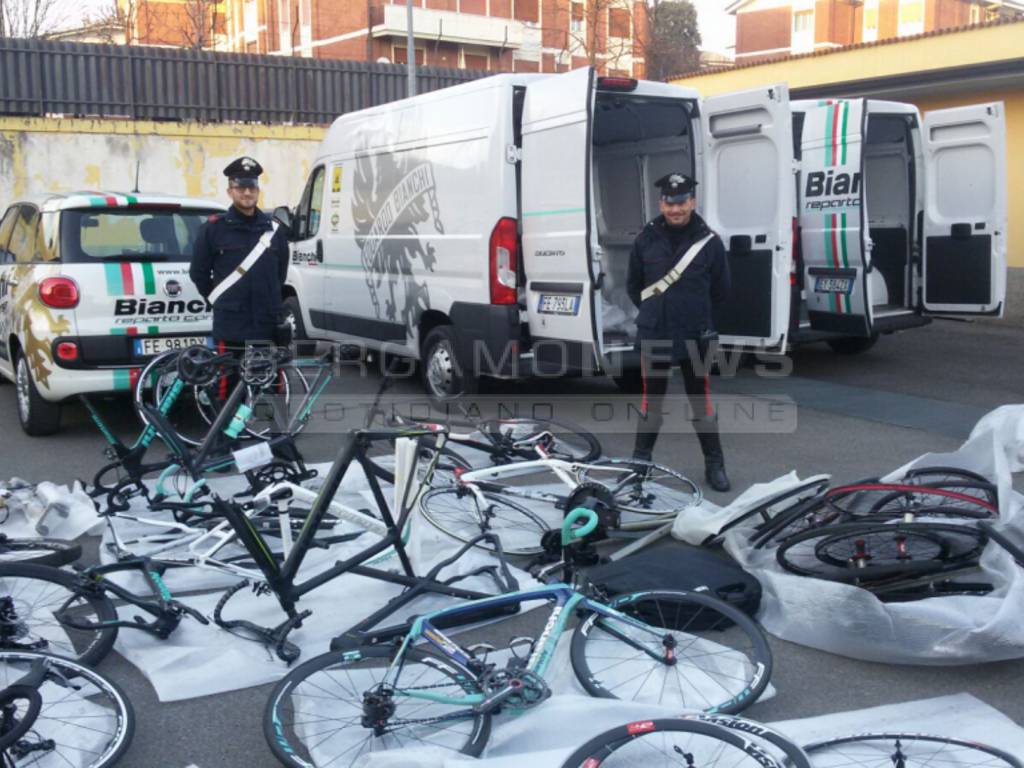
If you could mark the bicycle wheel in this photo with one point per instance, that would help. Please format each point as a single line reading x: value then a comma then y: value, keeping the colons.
x: 155, y: 380
x: 792, y: 755
x: 31, y: 596
x: 777, y: 504
x: 570, y: 441
x: 809, y: 514
x: 897, y: 499
x: 456, y: 512
x: 909, y: 750
x: 316, y: 714
x: 670, y: 743
x: 38, y: 551
x: 83, y: 720
x: 871, y: 550
x: 702, y: 654
x: 642, y: 488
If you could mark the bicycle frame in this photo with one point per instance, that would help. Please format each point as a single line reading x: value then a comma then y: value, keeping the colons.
x: 566, y: 601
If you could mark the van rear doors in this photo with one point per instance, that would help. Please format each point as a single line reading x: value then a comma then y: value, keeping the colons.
x: 746, y: 195
x: 557, y: 219
x: 964, y: 219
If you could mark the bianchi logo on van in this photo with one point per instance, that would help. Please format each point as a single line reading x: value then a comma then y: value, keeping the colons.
x: 393, y: 197
x: 828, y: 190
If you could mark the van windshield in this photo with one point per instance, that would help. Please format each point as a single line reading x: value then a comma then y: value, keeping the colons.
x: 131, y: 234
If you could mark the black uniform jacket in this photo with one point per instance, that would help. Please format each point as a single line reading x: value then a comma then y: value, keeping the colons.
x: 251, y: 308
x: 684, y: 310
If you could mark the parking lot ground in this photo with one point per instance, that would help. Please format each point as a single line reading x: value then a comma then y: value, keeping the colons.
x: 855, y: 417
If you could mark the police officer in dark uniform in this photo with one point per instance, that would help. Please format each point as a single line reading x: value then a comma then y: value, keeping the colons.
x: 675, y: 323
x: 250, y: 309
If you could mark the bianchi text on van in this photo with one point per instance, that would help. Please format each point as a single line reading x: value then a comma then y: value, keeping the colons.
x: 177, y: 310
x: 838, y: 190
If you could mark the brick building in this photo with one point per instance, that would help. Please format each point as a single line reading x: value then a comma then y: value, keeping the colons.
x: 771, y: 28
x: 494, y: 35
x: 176, y: 23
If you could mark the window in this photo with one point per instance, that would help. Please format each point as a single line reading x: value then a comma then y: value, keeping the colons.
x: 803, y: 31
x: 307, y: 220
x: 6, y: 227
x: 28, y: 243
x: 400, y: 55
x: 975, y: 13
x: 475, y: 61
x: 911, y: 18
x: 618, y: 22
x: 576, y: 20
x: 870, y: 29
x: 138, y: 235
x: 250, y: 21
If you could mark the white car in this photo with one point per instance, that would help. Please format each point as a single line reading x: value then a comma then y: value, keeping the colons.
x: 92, y: 284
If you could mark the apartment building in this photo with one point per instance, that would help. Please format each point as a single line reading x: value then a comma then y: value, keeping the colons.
x: 771, y: 28
x: 493, y: 35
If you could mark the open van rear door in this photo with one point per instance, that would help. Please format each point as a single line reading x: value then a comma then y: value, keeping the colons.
x: 964, y: 228
x: 748, y: 197
x: 556, y: 219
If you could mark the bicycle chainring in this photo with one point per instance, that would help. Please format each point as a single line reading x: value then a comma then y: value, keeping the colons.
x: 598, y: 498
x: 530, y: 687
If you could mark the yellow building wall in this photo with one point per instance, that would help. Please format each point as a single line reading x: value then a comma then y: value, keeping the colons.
x: 41, y: 155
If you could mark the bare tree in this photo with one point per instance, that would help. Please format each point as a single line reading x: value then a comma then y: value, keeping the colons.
x: 28, y: 18
x: 123, y: 17
x: 199, y: 29
x: 601, y: 31
x: 671, y: 45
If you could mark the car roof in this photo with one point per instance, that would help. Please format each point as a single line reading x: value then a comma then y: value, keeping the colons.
x: 58, y: 201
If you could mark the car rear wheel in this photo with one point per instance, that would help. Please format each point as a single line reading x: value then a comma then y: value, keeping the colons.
x: 38, y: 416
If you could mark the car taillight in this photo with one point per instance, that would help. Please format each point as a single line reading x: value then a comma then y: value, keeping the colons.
x: 504, y: 262
x: 59, y: 292
x: 67, y: 351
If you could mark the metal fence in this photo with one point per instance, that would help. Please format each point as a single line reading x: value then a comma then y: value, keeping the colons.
x: 39, y: 77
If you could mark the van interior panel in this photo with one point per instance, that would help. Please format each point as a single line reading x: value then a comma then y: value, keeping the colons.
x: 958, y: 271
x: 748, y: 309
x: 887, y: 192
x: 637, y: 140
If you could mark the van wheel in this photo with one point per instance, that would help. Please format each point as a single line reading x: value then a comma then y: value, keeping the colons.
x: 439, y: 368
x: 852, y: 345
x: 38, y: 417
x: 293, y: 316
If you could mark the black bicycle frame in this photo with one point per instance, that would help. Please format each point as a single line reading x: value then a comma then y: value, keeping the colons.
x: 281, y: 577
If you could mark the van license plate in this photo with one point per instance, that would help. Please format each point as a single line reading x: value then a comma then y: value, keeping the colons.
x: 558, y: 305
x: 833, y: 284
x: 149, y: 347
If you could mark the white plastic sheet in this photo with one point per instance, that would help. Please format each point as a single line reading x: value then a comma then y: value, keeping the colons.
x: 965, y: 629
x: 46, y: 509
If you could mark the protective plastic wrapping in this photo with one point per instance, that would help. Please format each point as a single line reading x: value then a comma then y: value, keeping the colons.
x: 961, y: 629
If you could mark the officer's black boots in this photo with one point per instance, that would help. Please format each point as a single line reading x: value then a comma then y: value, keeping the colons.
x: 714, y: 459
x: 643, y: 448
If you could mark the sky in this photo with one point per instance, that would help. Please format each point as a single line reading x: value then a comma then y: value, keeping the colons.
x: 717, y: 28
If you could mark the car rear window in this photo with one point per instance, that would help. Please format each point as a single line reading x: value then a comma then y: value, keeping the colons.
x: 126, y: 234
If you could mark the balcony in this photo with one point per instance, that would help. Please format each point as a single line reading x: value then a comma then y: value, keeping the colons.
x: 447, y: 26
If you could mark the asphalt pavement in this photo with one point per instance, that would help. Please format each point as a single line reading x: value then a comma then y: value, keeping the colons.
x: 850, y: 416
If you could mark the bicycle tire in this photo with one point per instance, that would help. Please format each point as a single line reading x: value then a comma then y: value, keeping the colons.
x: 943, y: 474
x: 795, y: 757
x: 983, y: 492
x: 704, y: 744
x: 712, y: 627
x: 762, y: 508
x: 455, y: 511
x: 582, y: 446
x: 28, y: 621
x: 935, y: 542
x: 38, y: 551
x: 361, y: 668
x: 847, y: 499
x: 806, y: 515
x: 643, y: 488
x: 107, y: 703
x: 874, y: 754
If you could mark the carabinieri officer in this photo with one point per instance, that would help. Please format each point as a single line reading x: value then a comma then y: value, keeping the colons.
x: 247, y: 307
x: 676, y: 315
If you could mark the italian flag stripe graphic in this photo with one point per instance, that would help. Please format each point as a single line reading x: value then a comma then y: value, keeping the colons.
x: 846, y: 114
x: 148, y: 278
x: 829, y: 154
x: 124, y: 277
x: 112, y: 270
x: 127, y: 281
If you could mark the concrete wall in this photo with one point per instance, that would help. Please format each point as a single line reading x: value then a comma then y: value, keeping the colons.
x: 39, y: 155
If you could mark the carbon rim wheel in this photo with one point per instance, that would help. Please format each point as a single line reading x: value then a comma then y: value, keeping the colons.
x: 38, y: 551
x: 907, y: 750
x: 670, y: 743
x: 793, y: 755
x: 456, y: 512
x: 642, y: 488
x: 898, y: 498
x: 32, y: 596
x: 83, y: 720
x: 703, y: 654
x: 315, y: 714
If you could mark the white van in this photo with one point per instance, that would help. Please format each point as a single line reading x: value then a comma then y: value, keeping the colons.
x: 487, y: 227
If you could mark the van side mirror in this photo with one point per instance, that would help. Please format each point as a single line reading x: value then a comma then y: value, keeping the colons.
x: 739, y: 244
x: 960, y: 231
x: 283, y: 216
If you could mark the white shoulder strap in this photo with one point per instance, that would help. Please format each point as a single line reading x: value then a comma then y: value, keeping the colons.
x: 239, y: 272
x: 658, y: 288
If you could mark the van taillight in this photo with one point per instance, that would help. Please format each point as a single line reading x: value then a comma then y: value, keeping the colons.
x: 793, y: 252
x: 59, y: 292
x: 504, y: 261
x: 616, y: 84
